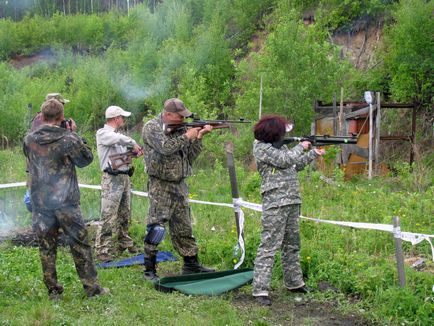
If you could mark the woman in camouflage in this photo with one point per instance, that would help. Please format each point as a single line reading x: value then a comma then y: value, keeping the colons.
x: 281, y: 202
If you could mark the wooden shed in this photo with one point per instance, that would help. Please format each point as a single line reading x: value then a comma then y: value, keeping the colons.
x: 359, y: 118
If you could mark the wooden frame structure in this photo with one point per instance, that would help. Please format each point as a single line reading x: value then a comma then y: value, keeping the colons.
x: 360, y: 118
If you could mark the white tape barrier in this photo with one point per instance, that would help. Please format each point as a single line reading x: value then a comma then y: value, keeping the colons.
x: 12, y: 185
x: 240, y: 244
x: 414, y: 238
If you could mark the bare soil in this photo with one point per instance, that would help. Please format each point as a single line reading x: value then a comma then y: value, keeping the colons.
x: 297, y: 310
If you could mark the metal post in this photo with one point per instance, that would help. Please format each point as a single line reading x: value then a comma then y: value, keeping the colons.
x: 398, y: 251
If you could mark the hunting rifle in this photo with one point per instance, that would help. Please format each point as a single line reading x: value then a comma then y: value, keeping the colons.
x: 199, y: 123
x: 318, y: 140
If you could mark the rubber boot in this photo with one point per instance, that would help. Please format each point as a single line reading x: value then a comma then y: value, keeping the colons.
x: 150, y: 273
x: 192, y: 266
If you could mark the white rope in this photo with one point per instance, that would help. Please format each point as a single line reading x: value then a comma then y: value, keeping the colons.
x: 12, y: 185
x: 414, y: 238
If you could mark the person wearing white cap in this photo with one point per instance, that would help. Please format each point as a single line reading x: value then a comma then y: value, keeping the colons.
x: 115, y: 187
x: 168, y: 160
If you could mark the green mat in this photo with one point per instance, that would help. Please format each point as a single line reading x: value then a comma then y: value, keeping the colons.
x: 206, y: 283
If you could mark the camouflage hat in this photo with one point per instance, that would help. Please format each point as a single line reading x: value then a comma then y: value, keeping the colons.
x: 177, y: 106
x: 56, y: 96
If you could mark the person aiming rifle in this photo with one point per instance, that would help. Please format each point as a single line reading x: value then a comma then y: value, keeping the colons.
x: 281, y: 201
x: 168, y: 160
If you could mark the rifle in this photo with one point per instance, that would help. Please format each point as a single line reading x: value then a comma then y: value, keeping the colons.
x: 318, y: 140
x: 120, y: 159
x: 199, y: 123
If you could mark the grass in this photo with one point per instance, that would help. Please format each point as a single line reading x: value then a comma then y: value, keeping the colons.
x: 358, y: 263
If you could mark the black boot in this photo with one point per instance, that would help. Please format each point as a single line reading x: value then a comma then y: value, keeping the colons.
x: 192, y: 266
x: 150, y: 273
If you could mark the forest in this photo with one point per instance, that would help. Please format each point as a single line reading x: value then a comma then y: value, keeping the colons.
x: 231, y: 59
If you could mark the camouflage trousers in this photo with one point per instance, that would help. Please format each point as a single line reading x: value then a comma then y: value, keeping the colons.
x: 46, y: 225
x: 280, y: 230
x: 115, y: 214
x: 169, y: 203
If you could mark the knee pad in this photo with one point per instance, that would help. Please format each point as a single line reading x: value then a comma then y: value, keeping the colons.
x: 155, y: 234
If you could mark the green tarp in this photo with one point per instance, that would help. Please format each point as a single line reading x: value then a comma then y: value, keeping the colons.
x: 206, y: 283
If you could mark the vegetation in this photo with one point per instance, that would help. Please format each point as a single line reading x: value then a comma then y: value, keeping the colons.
x: 359, y: 264
x: 213, y: 55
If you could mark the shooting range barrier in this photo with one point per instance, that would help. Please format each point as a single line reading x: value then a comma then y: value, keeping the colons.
x: 239, y: 203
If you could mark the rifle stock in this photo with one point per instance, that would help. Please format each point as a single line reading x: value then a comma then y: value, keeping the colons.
x: 318, y: 140
x: 120, y: 159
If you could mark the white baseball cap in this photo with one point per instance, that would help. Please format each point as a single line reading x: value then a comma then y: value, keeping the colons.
x: 115, y: 111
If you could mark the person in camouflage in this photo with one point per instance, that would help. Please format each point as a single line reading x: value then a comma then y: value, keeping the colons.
x: 52, y: 154
x: 280, y: 205
x: 115, y: 186
x: 168, y: 159
x: 34, y: 124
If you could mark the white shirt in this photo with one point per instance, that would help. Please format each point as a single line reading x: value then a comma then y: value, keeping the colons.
x: 110, y: 142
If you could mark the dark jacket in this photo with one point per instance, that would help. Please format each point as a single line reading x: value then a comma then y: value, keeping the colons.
x: 168, y: 157
x: 53, y: 153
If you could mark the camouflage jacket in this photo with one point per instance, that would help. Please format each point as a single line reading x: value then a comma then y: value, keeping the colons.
x: 278, y: 169
x: 52, y: 153
x: 168, y: 157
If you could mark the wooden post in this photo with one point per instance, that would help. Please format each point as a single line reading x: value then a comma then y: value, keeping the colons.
x: 398, y: 251
x: 335, y: 125
x: 260, y: 100
x: 413, y: 133
x: 340, y: 155
x: 371, y: 133
x: 341, y: 113
x: 229, y: 148
x: 377, y: 135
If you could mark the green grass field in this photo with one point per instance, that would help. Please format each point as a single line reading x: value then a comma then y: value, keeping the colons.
x: 358, y: 266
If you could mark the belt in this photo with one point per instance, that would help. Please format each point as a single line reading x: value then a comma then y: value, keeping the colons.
x: 111, y: 172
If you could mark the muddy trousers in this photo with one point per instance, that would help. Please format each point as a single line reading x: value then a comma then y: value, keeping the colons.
x: 46, y: 225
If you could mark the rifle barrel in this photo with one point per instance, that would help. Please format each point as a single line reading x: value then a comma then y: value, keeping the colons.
x: 200, y: 123
x: 318, y: 140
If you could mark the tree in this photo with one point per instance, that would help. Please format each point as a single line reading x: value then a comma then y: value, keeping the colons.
x: 409, y: 57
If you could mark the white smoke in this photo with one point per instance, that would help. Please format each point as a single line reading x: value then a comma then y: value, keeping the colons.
x: 134, y: 91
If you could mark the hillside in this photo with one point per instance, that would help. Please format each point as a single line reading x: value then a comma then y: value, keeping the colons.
x: 214, y: 55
